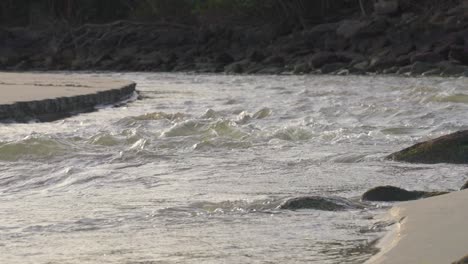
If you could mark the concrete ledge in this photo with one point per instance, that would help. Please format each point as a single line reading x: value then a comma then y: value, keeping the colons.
x: 48, y: 97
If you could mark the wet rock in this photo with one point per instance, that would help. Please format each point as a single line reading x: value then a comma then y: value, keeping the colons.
x: 452, y: 148
x: 464, y: 260
x: 392, y: 194
x: 320, y: 203
x: 450, y: 69
x: 224, y: 58
x: 465, y: 186
x: 235, y: 67
x: 429, y: 57
x: 350, y: 28
x: 301, y: 68
x: 419, y: 68
x: 386, y: 7
x: 321, y: 58
x: 256, y: 56
x: 333, y: 67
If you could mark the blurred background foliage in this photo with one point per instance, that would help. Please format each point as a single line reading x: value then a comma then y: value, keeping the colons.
x: 299, y: 13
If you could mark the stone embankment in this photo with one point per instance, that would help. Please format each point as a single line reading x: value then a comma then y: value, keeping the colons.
x: 48, y: 97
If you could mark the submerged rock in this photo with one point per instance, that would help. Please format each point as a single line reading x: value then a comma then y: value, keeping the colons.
x: 393, y: 194
x: 452, y: 148
x: 320, y: 203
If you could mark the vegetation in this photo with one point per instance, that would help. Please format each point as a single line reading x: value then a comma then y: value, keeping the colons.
x: 293, y: 12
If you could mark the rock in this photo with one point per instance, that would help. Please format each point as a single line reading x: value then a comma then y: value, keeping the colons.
x: 419, y: 68
x: 256, y: 56
x: 362, y: 66
x: 333, y: 67
x: 452, y: 148
x: 235, y: 67
x: 301, y: 68
x: 350, y: 28
x: 321, y: 58
x: 274, y: 60
x: 386, y: 7
x: 450, y: 69
x: 320, y: 203
x: 429, y: 57
x: 224, y: 58
x: 270, y: 70
x: 393, y: 194
x: 464, y: 260
x: 465, y: 186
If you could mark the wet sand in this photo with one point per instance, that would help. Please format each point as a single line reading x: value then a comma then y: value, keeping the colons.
x: 428, y: 231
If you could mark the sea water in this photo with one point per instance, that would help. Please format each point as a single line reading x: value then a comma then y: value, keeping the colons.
x: 194, y: 170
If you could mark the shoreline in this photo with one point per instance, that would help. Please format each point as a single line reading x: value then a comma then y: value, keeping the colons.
x: 406, y: 44
x: 426, y: 231
x: 49, y: 97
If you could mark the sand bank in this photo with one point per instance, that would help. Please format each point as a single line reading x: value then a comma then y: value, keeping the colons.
x: 45, y: 97
x: 429, y: 231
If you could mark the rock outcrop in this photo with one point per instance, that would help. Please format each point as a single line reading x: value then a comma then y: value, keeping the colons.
x: 320, y: 203
x: 395, y: 194
x: 452, y: 148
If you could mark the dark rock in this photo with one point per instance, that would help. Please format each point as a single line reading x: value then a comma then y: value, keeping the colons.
x: 419, y: 68
x: 333, y: 67
x: 386, y: 7
x: 257, y: 56
x: 465, y: 186
x: 274, y: 60
x: 321, y: 58
x: 361, y: 66
x: 224, y: 58
x: 270, y: 70
x: 450, y: 69
x: 460, y: 54
x: 452, y: 148
x: 393, y: 194
x: 429, y: 57
x: 383, y: 62
x: 350, y: 28
x: 320, y: 203
x: 464, y: 260
x: 301, y: 68
x: 235, y: 67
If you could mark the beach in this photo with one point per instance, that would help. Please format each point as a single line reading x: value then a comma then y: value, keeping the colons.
x: 427, y: 231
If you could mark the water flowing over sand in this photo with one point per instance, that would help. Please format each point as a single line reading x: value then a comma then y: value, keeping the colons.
x: 196, y: 170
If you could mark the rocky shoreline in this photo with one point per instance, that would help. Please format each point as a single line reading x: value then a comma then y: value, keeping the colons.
x: 429, y: 44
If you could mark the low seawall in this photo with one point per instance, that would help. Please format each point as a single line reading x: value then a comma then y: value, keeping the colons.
x: 48, y: 97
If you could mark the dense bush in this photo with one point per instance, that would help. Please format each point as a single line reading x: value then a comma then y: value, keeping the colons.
x: 300, y: 13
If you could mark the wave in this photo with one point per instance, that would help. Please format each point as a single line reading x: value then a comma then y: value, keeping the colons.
x: 34, y: 148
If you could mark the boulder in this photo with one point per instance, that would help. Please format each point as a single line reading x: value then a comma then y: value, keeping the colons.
x: 236, y: 67
x: 386, y: 7
x: 464, y: 260
x: 333, y: 67
x: 321, y: 58
x: 395, y: 194
x: 301, y: 68
x: 419, y: 68
x: 320, y: 203
x: 429, y: 57
x: 465, y: 186
x: 350, y: 28
x: 452, y: 148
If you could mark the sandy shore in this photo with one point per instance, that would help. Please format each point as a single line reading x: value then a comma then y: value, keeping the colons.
x: 47, y: 97
x: 428, y: 231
